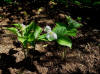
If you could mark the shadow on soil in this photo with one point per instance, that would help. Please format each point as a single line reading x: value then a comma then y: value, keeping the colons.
x: 9, y: 61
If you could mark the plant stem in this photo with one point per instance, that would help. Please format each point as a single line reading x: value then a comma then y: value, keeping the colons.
x: 64, y: 54
x: 25, y: 51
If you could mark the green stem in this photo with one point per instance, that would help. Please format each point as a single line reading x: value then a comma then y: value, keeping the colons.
x: 25, y: 51
x: 64, y: 54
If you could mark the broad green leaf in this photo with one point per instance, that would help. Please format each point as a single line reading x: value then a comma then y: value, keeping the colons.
x: 22, y: 39
x: 31, y: 37
x: 37, y: 31
x: 17, y: 25
x: 60, y: 29
x: 42, y: 37
x: 65, y: 41
x: 14, y: 30
x: 76, y: 24
x: 29, y: 28
x: 71, y: 32
x: 72, y: 23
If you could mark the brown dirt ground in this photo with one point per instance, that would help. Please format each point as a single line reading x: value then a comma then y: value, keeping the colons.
x: 83, y: 58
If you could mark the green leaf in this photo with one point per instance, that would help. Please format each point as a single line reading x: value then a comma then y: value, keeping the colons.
x: 77, y: 3
x: 37, y: 31
x: 22, y: 39
x: 72, y: 23
x: 76, y: 24
x: 65, y: 41
x: 14, y: 30
x: 29, y: 28
x: 60, y: 29
x: 60, y: 24
x: 17, y: 25
x: 42, y: 37
x: 31, y: 37
x: 71, y: 32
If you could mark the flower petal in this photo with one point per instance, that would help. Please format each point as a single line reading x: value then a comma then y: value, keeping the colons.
x: 51, y: 36
x: 47, y: 29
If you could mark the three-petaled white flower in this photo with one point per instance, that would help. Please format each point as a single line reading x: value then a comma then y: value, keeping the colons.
x: 50, y: 34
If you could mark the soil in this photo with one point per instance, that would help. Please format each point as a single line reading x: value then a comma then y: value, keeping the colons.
x: 83, y: 58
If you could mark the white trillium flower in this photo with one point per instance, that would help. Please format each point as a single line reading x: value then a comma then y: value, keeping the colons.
x: 50, y: 34
x: 47, y: 29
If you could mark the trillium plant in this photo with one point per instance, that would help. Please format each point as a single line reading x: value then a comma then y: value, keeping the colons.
x: 62, y: 32
x: 28, y: 35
